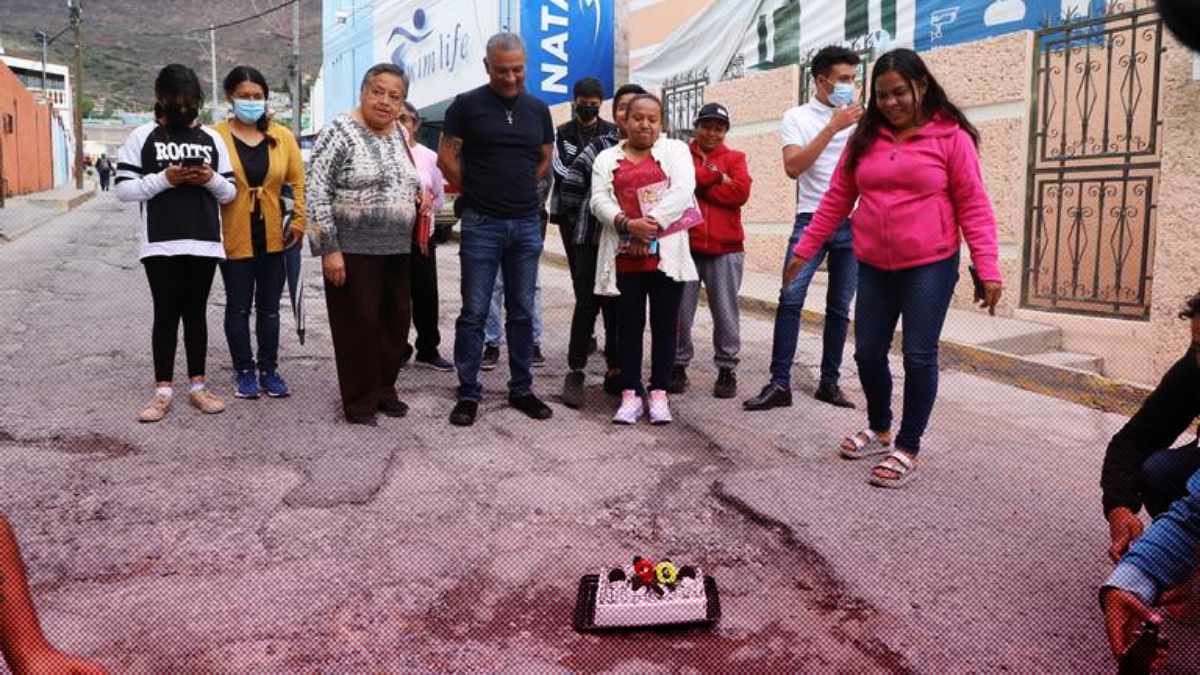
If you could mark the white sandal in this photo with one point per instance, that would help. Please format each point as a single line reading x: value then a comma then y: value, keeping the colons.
x: 866, y: 444
x: 898, y: 463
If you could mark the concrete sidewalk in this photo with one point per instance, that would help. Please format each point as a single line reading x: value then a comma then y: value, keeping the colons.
x: 1021, y: 353
x: 24, y: 213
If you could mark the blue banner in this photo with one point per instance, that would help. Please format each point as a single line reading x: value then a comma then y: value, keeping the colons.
x: 566, y: 41
x: 941, y: 23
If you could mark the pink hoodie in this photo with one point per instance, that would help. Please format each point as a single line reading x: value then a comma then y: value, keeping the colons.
x: 914, y: 197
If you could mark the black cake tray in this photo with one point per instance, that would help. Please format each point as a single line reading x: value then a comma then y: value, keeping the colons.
x: 585, y: 607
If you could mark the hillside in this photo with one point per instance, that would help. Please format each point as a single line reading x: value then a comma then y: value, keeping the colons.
x: 122, y: 52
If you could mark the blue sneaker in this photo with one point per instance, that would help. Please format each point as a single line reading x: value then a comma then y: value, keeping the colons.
x: 247, y: 386
x: 272, y: 383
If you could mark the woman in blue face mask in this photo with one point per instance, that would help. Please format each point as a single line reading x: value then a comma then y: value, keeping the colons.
x: 265, y: 158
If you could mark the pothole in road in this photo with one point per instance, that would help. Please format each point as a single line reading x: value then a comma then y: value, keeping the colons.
x: 785, y: 610
x: 86, y: 444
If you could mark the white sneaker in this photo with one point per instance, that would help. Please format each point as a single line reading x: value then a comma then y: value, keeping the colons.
x: 660, y: 408
x: 631, y: 408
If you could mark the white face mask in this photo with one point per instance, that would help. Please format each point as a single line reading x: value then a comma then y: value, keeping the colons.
x: 843, y: 94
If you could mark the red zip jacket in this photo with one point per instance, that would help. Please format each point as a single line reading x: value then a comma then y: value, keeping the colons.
x: 720, y: 201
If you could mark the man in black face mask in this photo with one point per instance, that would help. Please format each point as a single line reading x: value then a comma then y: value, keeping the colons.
x: 571, y: 138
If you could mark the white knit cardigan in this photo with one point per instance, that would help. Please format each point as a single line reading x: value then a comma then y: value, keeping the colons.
x: 674, y: 252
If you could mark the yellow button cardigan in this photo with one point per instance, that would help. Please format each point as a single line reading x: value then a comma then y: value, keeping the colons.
x: 285, y: 165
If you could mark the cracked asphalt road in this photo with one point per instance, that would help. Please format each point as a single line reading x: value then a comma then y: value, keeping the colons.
x: 274, y: 538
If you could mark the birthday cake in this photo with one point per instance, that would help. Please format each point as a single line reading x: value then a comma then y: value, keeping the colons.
x: 646, y: 594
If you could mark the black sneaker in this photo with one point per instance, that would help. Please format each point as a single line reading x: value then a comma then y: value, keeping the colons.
x: 832, y: 394
x: 679, y: 380
x: 572, y: 393
x: 726, y: 386
x: 532, y: 406
x: 364, y: 420
x: 491, y: 356
x: 771, y: 396
x: 464, y: 413
x: 393, y: 408
x: 435, y: 362
x: 539, y: 359
x: 406, y: 355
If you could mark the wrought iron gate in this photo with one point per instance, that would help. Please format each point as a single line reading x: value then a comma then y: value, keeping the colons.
x: 683, y: 96
x: 1094, y: 154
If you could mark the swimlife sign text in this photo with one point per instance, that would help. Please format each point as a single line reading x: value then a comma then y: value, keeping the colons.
x: 438, y: 43
x: 566, y: 41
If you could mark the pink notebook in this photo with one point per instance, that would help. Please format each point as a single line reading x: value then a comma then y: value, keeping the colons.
x: 649, y: 196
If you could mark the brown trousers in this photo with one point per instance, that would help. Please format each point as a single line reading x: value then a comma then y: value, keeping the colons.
x: 368, y: 317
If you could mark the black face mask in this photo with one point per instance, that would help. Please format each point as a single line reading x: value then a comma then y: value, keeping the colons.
x: 177, y: 117
x: 587, y: 113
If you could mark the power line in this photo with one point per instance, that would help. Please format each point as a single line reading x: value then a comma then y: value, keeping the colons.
x: 227, y: 24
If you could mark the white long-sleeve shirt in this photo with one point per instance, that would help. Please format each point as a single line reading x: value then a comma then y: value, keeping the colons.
x: 674, y: 252
x: 181, y: 219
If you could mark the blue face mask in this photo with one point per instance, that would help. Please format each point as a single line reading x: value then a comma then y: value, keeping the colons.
x: 842, y: 94
x: 248, y: 111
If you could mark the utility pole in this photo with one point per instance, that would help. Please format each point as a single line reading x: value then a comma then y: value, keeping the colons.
x: 41, y: 35
x: 47, y: 40
x: 77, y: 26
x: 212, y: 57
x: 295, y: 84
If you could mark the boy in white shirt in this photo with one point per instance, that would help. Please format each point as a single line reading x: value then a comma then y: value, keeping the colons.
x: 814, y: 136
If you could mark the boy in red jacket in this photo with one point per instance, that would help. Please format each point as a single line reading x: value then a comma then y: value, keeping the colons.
x: 722, y: 188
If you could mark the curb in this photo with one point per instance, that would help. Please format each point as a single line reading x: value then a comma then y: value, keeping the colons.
x: 61, y: 205
x: 1067, y: 384
x: 35, y: 212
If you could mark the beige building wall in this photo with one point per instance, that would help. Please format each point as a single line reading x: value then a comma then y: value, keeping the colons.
x: 651, y: 21
x: 1177, y: 250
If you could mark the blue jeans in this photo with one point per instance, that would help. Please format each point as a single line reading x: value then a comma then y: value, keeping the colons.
x: 256, y: 281
x: 493, y: 330
x: 511, y: 247
x: 843, y: 278
x: 1165, y: 475
x: 921, y: 295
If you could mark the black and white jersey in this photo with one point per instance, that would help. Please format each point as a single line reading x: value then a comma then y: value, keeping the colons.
x: 184, y: 219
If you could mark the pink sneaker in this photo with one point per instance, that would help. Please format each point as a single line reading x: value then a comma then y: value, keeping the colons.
x: 660, y: 407
x: 631, y: 408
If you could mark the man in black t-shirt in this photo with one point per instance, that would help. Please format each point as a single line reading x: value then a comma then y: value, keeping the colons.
x: 496, y: 143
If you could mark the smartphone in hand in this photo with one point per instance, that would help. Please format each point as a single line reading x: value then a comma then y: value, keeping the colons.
x: 980, y: 292
x: 192, y: 161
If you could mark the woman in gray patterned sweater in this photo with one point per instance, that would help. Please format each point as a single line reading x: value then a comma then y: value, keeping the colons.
x: 363, y: 191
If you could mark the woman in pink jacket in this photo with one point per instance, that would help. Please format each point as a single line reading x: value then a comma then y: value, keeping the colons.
x: 913, y: 169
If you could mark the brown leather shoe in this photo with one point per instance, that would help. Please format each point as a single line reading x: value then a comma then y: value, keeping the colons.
x: 157, y: 409
x: 206, y: 402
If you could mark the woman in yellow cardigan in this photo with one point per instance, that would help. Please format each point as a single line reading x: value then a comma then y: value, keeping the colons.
x: 265, y: 157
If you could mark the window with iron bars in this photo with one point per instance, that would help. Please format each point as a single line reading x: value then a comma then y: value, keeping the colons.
x: 683, y: 96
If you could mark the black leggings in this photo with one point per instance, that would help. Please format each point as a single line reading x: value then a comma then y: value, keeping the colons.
x: 664, y: 294
x: 179, y: 285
